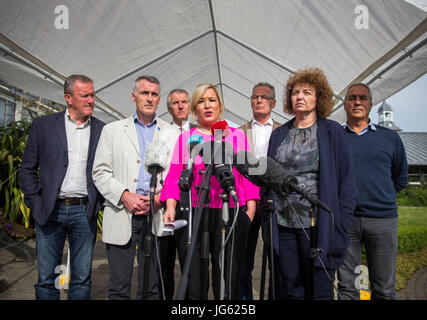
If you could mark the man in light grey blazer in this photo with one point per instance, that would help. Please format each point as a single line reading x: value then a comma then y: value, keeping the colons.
x: 120, y: 176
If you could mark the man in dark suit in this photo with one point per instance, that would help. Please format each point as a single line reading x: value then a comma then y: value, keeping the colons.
x: 56, y: 179
x: 258, y: 131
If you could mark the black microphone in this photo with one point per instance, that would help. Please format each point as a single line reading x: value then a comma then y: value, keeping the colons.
x: 267, y: 172
x: 194, y: 147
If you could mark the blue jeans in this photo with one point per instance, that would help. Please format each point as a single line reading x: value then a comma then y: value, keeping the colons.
x: 380, y: 239
x: 65, y: 221
x: 295, y: 267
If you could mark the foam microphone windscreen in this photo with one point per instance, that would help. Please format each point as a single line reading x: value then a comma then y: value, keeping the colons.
x: 156, y: 155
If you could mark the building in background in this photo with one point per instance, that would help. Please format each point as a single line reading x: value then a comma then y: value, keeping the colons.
x: 415, y: 145
x: 17, y: 104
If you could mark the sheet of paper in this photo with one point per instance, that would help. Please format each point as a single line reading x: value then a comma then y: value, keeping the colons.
x: 171, y: 226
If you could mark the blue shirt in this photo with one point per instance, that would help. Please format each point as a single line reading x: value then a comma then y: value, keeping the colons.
x: 145, y: 135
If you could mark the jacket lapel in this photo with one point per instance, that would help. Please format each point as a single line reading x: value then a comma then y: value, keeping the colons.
x: 95, y: 132
x: 158, y: 130
x: 282, y: 131
x: 276, y: 124
x: 250, y: 136
x: 130, y: 131
x: 60, y: 130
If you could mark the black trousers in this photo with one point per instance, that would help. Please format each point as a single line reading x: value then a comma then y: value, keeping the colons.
x: 121, y: 260
x: 199, y: 270
x: 167, y: 253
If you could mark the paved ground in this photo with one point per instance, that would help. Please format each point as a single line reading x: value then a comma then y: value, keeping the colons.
x: 17, y: 276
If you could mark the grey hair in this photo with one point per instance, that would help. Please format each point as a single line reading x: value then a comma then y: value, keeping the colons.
x: 151, y: 79
x: 168, y: 99
x: 71, y: 80
x: 359, y: 84
x: 266, y: 84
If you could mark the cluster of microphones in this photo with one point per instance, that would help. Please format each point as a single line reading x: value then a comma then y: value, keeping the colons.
x: 264, y: 172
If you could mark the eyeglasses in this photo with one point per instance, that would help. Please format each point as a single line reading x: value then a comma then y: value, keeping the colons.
x: 263, y: 97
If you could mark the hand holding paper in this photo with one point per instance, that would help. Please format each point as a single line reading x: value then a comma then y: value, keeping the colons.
x: 171, y: 226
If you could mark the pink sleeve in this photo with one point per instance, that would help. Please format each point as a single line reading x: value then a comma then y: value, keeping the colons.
x: 246, y: 189
x: 179, y: 158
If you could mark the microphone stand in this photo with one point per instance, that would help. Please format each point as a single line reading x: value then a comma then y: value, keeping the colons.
x: 224, y: 227
x: 148, y: 237
x: 268, y: 244
x: 183, y: 283
x: 314, y: 250
x: 204, y: 250
x: 190, y: 220
x: 148, y: 242
x: 184, y: 184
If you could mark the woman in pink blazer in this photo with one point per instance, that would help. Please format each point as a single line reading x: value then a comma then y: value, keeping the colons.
x: 206, y: 104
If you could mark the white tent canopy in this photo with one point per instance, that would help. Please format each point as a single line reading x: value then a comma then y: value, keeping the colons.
x: 232, y: 43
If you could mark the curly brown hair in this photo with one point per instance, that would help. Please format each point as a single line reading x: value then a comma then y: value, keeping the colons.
x: 317, y: 79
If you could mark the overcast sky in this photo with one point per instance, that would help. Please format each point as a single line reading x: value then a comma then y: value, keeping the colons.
x: 409, y: 107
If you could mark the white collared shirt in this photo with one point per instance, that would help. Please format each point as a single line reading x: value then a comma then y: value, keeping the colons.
x: 261, y: 133
x: 369, y: 126
x: 185, y: 126
x: 75, y: 180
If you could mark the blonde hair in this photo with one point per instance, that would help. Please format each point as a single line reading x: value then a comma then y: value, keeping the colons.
x: 317, y: 79
x: 199, y: 92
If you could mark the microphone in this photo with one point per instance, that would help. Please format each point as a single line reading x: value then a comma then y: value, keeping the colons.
x: 220, y: 129
x: 222, y: 158
x: 194, y: 147
x: 267, y: 172
x: 155, y: 161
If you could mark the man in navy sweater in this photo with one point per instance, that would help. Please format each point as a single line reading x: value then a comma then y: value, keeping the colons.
x: 382, y: 171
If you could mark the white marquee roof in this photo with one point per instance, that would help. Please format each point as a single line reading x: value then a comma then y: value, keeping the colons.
x: 232, y: 43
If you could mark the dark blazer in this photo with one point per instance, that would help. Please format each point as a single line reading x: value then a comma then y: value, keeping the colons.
x: 45, y: 163
x: 337, y: 183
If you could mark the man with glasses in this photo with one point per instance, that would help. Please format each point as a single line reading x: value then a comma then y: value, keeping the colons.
x: 258, y: 131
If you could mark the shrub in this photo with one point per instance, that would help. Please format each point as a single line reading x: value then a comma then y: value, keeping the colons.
x: 415, y: 196
x: 12, y: 143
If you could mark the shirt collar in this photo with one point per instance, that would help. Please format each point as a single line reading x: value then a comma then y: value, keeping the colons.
x: 136, y: 120
x: 268, y: 123
x: 185, y: 125
x: 68, y: 116
x: 370, y: 126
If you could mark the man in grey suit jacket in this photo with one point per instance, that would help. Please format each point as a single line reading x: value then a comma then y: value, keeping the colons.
x: 258, y: 131
x: 56, y: 179
x: 120, y: 175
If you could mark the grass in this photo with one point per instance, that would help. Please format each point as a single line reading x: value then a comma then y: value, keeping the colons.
x: 412, y: 243
x: 412, y: 246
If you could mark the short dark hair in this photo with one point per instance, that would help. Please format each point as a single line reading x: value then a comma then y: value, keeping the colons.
x: 266, y: 84
x: 71, y: 80
x: 151, y: 79
x: 168, y: 99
